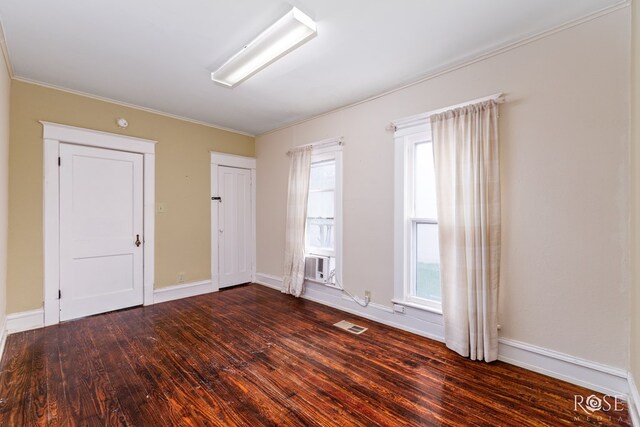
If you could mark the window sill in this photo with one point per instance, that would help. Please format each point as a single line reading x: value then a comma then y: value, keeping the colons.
x: 417, y: 306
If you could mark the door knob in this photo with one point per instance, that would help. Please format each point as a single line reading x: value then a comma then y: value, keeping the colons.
x: 138, y: 242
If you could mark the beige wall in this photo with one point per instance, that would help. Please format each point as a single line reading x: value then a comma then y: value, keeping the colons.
x: 635, y: 195
x: 564, y: 154
x: 5, y: 85
x: 182, y: 183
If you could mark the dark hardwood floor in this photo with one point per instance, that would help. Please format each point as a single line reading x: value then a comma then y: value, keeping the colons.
x: 253, y: 356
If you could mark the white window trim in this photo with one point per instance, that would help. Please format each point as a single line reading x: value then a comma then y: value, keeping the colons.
x: 333, y: 149
x: 53, y: 135
x: 403, y: 248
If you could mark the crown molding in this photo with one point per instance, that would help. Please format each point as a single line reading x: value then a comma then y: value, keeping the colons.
x: 430, y: 75
x: 481, y: 56
x: 5, y: 52
x: 125, y: 104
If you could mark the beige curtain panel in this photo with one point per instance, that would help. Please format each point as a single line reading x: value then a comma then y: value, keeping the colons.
x: 465, y: 146
x: 299, y: 168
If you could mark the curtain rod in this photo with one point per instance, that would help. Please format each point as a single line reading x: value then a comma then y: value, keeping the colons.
x: 413, y: 120
x: 318, y: 144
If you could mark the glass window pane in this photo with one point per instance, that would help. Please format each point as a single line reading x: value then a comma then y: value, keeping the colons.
x: 321, y: 204
x: 427, y: 262
x: 425, y: 182
x: 320, y: 233
x: 323, y: 175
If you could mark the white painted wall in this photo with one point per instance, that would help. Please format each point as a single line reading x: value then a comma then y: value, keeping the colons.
x: 565, y: 179
x: 635, y: 195
x: 5, y: 85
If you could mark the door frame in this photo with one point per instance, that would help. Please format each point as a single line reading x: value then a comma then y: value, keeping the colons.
x: 233, y: 161
x: 55, y: 134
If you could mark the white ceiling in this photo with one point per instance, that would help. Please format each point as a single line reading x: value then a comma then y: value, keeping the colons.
x: 159, y: 54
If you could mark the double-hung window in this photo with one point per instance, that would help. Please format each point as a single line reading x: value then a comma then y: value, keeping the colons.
x: 323, y: 228
x: 321, y: 217
x: 417, y: 256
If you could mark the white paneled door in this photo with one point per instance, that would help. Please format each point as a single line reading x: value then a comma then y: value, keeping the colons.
x: 101, y: 225
x: 234, y: 226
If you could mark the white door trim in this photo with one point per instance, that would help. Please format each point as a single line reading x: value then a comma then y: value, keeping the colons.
x: 53, y: 135
x: 230, y: 160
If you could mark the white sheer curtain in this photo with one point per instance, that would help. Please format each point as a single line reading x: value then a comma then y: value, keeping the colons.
x: 299, y: 167
x: 465, y: 146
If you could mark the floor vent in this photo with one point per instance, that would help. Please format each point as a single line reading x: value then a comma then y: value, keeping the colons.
x: 350, y: 327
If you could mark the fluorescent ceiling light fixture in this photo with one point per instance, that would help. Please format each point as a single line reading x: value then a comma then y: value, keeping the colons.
x: 289, y: 32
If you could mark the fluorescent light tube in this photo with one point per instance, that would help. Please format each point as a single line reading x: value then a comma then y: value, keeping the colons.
x: 292, y: 30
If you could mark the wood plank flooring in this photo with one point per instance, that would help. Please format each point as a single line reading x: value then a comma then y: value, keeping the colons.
x: 253, y: 356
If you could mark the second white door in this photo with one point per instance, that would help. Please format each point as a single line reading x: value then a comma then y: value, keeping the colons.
x: 234, y: 226
x: 101, y: 222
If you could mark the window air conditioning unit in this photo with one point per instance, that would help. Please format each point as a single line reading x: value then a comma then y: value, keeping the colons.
x: 316, y: 268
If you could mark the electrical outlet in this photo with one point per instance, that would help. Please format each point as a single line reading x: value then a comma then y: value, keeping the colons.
x: 367, y: 296
x: 181, y: 277
x: 399, y: 308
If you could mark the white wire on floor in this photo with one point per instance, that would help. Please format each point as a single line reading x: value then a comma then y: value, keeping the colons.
x: 332, y: 276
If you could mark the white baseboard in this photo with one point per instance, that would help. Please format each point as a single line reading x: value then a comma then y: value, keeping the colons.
x: 3, y: 335
x: 25, y: 321
x: 592, y: 375
x: 272, y: 282
x: 634, y: 401
x: 585, y: 373
x: 185, y: 290
x: 416, y: 321
x: 578, y: 371
x: 33, y: 319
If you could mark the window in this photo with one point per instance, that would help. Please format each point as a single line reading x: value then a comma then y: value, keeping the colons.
x: 320, y: 234
x: 425, y: 265
x: 323, y: 228
x: 417, y: 262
